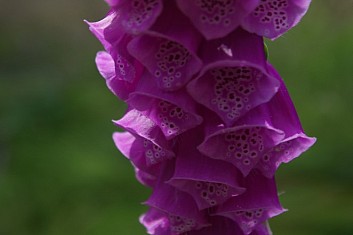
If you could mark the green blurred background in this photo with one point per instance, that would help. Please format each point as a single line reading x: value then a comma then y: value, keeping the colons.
x: 60, y: 173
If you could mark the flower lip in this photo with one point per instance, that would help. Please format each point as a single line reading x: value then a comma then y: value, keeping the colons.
x: 216, y: 19
x: 172, y: 63
x: 234, y: 88
x: 173, y: 112
x: 113, y: 3
x: 169, y: 50
x: 137, y: 123
x: 143, y: 154
x: 210, y: 182
x: 241, y: 145
x: 281, y: 104
x: 137, y: 16
x: 107, y: 30
x: 259, y: 203
x: 127, y: 68
x: 273, y: 18
x: 105, y: 65
x: 262, y: 229
x: 307, y: 142
x: 156, y: 222
x: 144, y: 178
x: 125, y: 16
x: 181, y: 208
x: 284, y: 152
x: 120, y: 70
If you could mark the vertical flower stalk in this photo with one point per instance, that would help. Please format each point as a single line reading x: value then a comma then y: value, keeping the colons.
x: 209, y: 120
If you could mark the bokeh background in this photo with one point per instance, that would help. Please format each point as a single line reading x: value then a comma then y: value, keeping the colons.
x: 60, y: 173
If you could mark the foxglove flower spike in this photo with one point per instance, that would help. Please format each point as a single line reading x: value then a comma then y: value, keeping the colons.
x: 209, y: 120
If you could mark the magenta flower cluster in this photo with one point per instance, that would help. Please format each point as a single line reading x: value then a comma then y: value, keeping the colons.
x: 209, y: 120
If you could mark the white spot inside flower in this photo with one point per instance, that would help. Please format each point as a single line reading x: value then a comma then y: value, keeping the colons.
x: 226, y: 50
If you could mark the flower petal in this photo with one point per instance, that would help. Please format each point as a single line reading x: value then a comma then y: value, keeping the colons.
x: 97, y: 28
x: 128, y: 70
x: 113, y: 3
x: 237, y: 80
x: 282, y: 115
x: 135, y: 122
x: 127, y: 67
x: 105, y: 65
x: 262, y: 229
x: 272, y: 18
x: 108, y: 30
x: 139, y: 15
x: 156, y: 222
x: 281, y: 109
x: 168, y: 50
x: 243, y: 144
x: 210, y: 182
x: 284, y: 152
x: 182, y: 211
x: 145, y: 178
x: 216, y: 19
x: 259, y: 203
x: 144, y: 154
x: 174, y: 112
x: 121, y: 75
